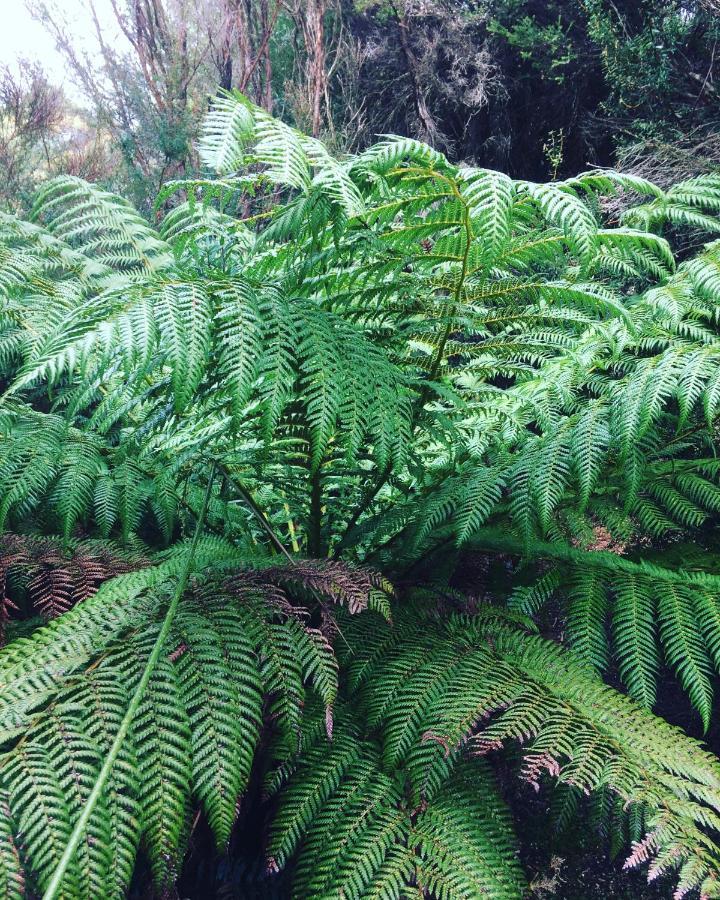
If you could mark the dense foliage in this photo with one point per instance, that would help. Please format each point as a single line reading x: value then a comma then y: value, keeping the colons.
x: 354, y: 477
x: 536, y: 88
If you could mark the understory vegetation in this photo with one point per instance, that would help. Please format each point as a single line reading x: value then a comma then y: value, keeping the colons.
x: 347, y: 494
x: 539, y: 89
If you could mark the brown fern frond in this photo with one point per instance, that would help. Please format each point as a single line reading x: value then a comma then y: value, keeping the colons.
x: 53, y: 577
x: 333, y: 580
x: 250, y: 584
x: 284, y: 586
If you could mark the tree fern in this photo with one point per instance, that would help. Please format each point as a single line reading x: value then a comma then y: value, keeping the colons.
x: 399, y: 369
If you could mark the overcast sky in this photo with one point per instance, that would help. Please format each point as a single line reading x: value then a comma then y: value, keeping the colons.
x: 23, y: 37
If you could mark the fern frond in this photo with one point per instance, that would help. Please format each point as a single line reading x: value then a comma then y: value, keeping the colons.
x: 563, y: 209
x: 100, y: 224
x: 227, y: 128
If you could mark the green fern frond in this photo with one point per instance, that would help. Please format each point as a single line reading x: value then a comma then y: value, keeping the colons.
x: 227, y: 128
x: 100, y: 224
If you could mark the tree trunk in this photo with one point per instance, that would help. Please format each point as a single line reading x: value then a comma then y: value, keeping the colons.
x: 314, y: 27
x: 428, y: 127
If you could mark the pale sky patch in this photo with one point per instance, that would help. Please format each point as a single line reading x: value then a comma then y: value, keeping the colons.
x: 23, y: 37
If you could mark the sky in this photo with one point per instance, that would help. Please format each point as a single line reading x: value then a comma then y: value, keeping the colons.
x: 21, y: 36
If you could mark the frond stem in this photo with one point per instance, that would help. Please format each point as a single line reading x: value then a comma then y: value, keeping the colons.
x: 56, y: 881
x: 437, y: 362
x: 370, y: 495
x: 375, y: 488
x: 315, y: 523
x: 259, y: 515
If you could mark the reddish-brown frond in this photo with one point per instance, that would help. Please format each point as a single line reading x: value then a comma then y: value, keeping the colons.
x: 49, y: 578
